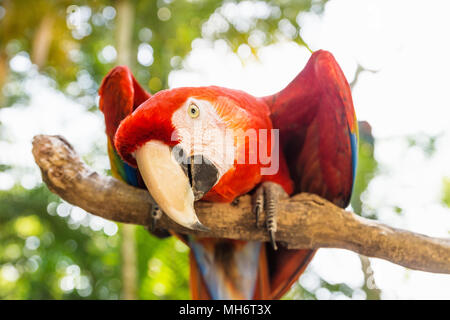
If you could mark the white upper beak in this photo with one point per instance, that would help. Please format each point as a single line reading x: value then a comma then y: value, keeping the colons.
x: 167, y: 183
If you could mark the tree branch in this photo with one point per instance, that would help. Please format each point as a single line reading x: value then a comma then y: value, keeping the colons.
x: 304, y: 221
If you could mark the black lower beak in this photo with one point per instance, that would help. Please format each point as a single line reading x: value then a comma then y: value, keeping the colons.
x: 201, y: 172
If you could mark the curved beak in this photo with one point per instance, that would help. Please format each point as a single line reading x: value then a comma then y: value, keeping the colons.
x: 170, y: 183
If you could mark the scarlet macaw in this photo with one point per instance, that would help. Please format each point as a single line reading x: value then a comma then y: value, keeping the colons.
x: 156, y: 141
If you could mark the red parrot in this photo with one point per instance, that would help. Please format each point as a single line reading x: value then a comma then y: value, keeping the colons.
x: 215, y: 144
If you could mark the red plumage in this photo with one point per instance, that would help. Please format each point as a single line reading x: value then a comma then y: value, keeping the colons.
x: 315, y: 114
x: 119, y: 95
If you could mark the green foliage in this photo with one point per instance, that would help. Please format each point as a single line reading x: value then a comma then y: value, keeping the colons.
x: 4, y: 167
x: 81, y: 30
x: 366, y: 168
x: 446, y: 192
x: 163, y: 267
x: 46, y: 256
x: 42, y: 256
x: 300, y: 293
x: 426, y: 143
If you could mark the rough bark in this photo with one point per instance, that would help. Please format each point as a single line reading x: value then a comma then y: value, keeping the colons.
x: 304, y: 220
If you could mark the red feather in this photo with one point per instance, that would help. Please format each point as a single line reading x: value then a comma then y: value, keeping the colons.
x: 119, y: 94
x: 315, y: 114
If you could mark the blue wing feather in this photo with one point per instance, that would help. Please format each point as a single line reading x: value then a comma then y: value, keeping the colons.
x: 354, y: 145
x: 121, y: 170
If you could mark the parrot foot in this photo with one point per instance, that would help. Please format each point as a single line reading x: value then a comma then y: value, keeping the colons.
x: 266, y: 198
x: 153, y: 229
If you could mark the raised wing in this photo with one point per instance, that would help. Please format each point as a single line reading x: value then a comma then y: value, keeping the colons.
x: 319, y: 137
x: 120, y: 94
x: 318, y: 129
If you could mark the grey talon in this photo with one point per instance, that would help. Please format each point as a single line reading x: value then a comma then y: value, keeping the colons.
x: 258, y: 204
x: 200, y: 227
x: 272, y: 240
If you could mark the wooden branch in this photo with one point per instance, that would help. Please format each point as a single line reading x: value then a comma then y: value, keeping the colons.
x: 304, y: 221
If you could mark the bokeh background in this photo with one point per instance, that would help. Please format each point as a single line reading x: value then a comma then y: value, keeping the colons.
x: 53, y: 55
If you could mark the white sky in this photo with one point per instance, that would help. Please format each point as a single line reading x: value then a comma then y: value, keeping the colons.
x: 407, y: 41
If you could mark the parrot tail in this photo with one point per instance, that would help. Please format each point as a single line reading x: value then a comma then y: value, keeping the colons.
x: 223, y: 269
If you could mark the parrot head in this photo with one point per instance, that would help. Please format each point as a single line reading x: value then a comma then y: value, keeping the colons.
x: 177, y: 139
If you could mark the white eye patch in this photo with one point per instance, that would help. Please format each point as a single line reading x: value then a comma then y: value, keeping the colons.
x: 202, y: 131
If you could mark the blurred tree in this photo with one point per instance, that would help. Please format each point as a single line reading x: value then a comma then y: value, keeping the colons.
x: 124, y: 29
x: 44, y: 254
x: 64, y: 38
x: 446, y: 192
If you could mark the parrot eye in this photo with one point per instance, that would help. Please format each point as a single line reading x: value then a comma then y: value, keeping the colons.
x: 193, y: 110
